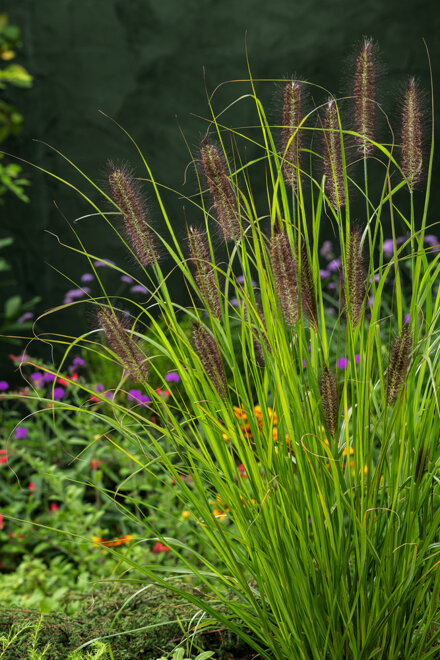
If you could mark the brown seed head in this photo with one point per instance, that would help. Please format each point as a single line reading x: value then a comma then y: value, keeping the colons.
x: 355, y: 285
x: 329, y: 396
x: 364, y: 96
x: 332, y: 156
x: 308, y: 294
x: 125, y: 192
x: 120, y: 341
x: 398, y: 364
x: 204, y: 270
x: 291, y: 146
x: 206, y: 348
x: 412, y: 135
x: 285, y: 276
x: 221, y: 190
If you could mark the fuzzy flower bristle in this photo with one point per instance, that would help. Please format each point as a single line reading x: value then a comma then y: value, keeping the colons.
x: 332, y: 156
x: 308, y: 293
x: 291, y: 146
x: 411, y: 135
x: 120, y: 341
x: 204, y: 270
x: 221, y: 190
x: 398, y: 364
x: 329, y: 397
x: 355, y: 285
x: 364, y: 97
x: 285, y: 276
x: 206, y: 348
x: 126, y: 193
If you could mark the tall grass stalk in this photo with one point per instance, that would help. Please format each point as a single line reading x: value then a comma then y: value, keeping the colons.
x: 330, y: 547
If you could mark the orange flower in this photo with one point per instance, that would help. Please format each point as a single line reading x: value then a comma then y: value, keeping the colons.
x: 120, y: 540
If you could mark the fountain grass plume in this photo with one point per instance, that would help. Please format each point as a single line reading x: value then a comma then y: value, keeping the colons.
x: 204, y: 270
x: 364, y: 93
x: 412, y: 135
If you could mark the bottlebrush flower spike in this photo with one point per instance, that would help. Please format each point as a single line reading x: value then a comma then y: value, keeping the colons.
x: 221, y: 190
x: 332, y: 156
x: 204, y: 270
x: 355, y: 285
x: 284, y: 272
x: 291, y: 146
x: 308, y: 294
x: 398, y: 364
x: 364, y: 96
x: 125, y: 192
x: 411, y: 135
x: 118, y: 337
x: 329, y: 396
x: 206, y: 348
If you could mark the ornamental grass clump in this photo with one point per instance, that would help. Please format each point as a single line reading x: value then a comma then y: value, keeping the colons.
x: 314, y: 433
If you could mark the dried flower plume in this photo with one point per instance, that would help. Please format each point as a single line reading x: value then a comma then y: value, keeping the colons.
x: 308, y: 294
x: 125, y: 192
x: 411, y: 135
x: 204, y: 270
x: 206, y: 348
x: 329, y: 396
x: 355, y: 284
x: 221, y: 190
x: 398, y: 364
x: 364, y: 96
x: 118, y: 338
x: 284, y: 272
x: 332, y: 156
x: 291, y: 146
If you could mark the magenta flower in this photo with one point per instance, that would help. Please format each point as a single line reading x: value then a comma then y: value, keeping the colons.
x: 141, y: 399
x: 172, y: 377
x: 342, y: 363
x: 58, y: 393
x: 48, y: 377
x: 20, y: 433
x: 37, y: 377
x: 87, y: 277
x: 99, y: 388
x: 27, y: 316
x: 3, y: 385
x: 78, y: 362
x: 407, y: 317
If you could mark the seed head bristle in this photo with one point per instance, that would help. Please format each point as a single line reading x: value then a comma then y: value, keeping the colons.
x: 398, y: 364
x: 126, y: 193
x: 285, y: 276
x: 355, y: 285
x: 257, y: 331
x: 120, y: 341
x: 364, y: 91
x: 221, y: 190
x: 291, y: 146
x: 412, y: 135
x: 332, y: 156
x: 308, y: 294
x: 329, y: 397
x: 206, y: 348
x: 204, y: 270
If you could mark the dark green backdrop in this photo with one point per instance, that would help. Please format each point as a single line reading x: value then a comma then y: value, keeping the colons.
x: 141, y: 62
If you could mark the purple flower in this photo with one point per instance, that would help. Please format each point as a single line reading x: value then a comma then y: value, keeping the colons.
x: 107, y: 263
x: 110, y: 395
x: 334, y: 265
x: 37, y: 377
x: 326, y: 250
x: 99, y: 388
x: 20, y: 433
x: 75, y: 293
x: 141, y: 399
x: 87, y: 277
x: 388, y: 246
x: 138, y: 288
x: 241, y: 280
x: 58, y: 393
x: 407, y: 317
x: 235, y: 302
x: 357, y: 358
x: 3, y: 385
x: 172, y: 377
x: 127, y: 279
x: 48, y: 377
x: 324, y: 274
x: 304, y: 364
x: 78, y: 362
x: 331, y: 286
x: 27, y: 316
x: 342, y: 363
x: 432, y: 240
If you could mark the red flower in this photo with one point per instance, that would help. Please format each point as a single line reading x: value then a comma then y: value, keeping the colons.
x: 31, y: 486
x: 159, y: 547
x: 74, y: 377
x: 1, y: 521
x: 61, y: 381
x: 95, y: 463
x: 3, y: 459
x: 54, y: 506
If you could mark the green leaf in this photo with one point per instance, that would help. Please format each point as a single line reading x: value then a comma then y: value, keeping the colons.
x: 12, y: 306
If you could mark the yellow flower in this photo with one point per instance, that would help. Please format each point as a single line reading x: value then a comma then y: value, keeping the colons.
x: 186, y: 515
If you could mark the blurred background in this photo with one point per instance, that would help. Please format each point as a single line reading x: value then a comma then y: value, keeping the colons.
x: 145, y: 64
